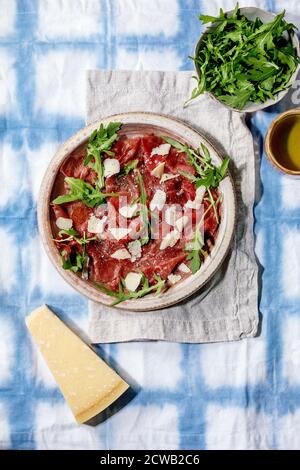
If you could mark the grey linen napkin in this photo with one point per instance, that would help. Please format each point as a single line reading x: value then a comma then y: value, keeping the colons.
x: 227, y: 308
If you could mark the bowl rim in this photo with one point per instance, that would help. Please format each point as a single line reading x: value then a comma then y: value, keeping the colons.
x: 186, y: 287
x: 270, y: 134
x: 256, y: 106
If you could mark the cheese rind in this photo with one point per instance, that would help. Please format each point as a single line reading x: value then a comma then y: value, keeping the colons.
x: 88, y: 384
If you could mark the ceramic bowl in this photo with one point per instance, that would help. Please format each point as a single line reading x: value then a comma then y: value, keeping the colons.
x: 252, y: 13
x: 135, y: 124
x: 270, y: 142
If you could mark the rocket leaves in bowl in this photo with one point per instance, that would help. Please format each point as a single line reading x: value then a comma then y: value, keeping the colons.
x: 240, y: 60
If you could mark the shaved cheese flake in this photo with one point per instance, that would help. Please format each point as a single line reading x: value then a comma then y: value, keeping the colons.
x: 182, y: 222
x: 63, y: 223
x: 119, y: 232
x: 128, y: 211
x: 184, y: 268
x: 174, y: 278
x: 132, y: 281
x: 196, y: 204
x: 170, y: 215
x: 193, y: 204
x: 167, y: 177
x: 121, y: 254
x: 158, y: 170
x: 111, y: 166
x: 200, y: 193
x: 135, y: 249
x: 158, y: 200
x: 96, y: 225
x: 162, y: 149
x: 170, y: 240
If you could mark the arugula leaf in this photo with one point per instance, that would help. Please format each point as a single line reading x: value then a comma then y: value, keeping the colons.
x: 67, y: 262
x: 240, y: 99
x: 70, y: 232
x: 101, y: 141
x: 208, y: 175
x: 222, y: 170
x: 212, y: 19
x: 143, y: 210
x: 208, y: 19
x: 123, y: 295
x: 73, y: 235
x: 82, y: 191
x: 175, y: 143
x: 195, y: 247
x: 242, y: 60
x: 128, y: 167
x: 81, y: 261
x: 195, y: 263
x: 135, y: 200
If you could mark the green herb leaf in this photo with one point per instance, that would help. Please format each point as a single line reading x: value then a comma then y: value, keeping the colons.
x: 194, y: 248
x: 81, y: 261
x: 130, y: 166
x: 222, y: 170
x: 195, y: 263
x: 242, y: 60
x: 100, y: 142
x: 79, y: 190
x: 123, y: 294
x: 74, y: 267
x: 175, y: 143
x: 74, y: 236
x: 70, y: 232
x: 208, y: 175
x: 144, y: 211
x: 208, y: 19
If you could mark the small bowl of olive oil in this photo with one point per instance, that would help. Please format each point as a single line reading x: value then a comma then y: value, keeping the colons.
x: 283, y: 142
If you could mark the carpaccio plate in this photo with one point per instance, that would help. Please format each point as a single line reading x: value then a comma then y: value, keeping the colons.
x: 133, y: 125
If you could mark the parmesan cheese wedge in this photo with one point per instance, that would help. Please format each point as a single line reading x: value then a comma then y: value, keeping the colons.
x: 87, y: 383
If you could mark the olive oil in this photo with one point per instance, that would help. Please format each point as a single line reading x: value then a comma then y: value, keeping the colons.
x: 285, y: 144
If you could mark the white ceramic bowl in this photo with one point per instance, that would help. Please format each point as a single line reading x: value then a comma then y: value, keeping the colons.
x: 252, y: 13
x: 134, y: 124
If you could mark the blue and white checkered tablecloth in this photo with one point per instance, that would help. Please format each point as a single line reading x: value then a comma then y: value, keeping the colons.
x: 234, y: 395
